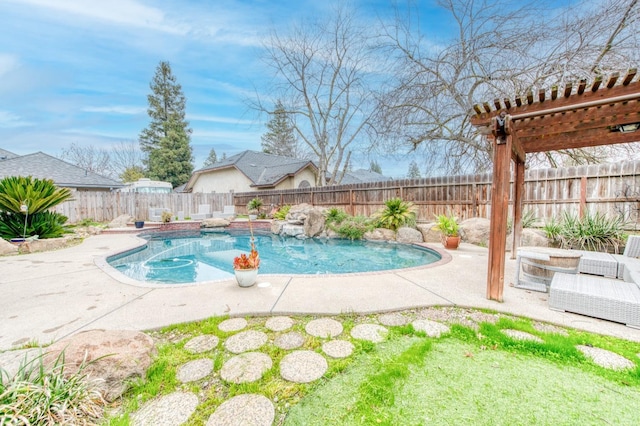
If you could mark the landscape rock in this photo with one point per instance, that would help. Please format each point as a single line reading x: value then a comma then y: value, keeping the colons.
x: 7, y: 248
x: 380, y: 234
x: 408, y: 235
x: 276, y: 226
x: 121, y: 221
x: 113, y: 356
x: 475, y: 231
x: 289, y: 230
x: 314, y: 223
x: 429, y: 235
x: 530, y: 238
x: 214, y: 222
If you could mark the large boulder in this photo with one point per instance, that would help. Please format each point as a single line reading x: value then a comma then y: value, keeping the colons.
x: 408, y: 235
x: 215, y: 222
x: 7, y: 248
x: 121, y: 221
x: 429, y: 235
x: 289, y: 230
x: 276, y: 226
x: 314, y: 223
x: 298, y: 213
x: 380, y: 234
x: 113, y: 357
x: 530, y: 238
x: 475, y: 231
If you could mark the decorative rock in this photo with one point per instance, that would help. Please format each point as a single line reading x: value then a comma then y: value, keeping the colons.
x: 380, y: 234
x: 314, y: 223
x: 530, y: 238
x: 245, y: 341
x: 408, y: 235
x: 233, y: 324
x: 244, y: 410
x: 431, y: 328
x: 522, y: 335
x: 279, y: 323
x: 549, y: 328
x: 203, y: 343
x: 429, y: 235
x: 289, y: 340
x: 393, y: 319
x: 246, y: 367
x: 115, y: 357
x: 121, y: 221
x: 170, y: 410
x: 475, y: 230
x: 195, y: 370
x: 214, y: 222
x: 324, y: 327
x: 337, y: 348
x: 276, y: 226
x: 605, y: 358
x: 303, y: 366
x: 289, y: 230
x: 7, y: 248
x: 371, y: 332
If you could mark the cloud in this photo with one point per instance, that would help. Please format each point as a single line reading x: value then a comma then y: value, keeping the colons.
x: 218, y: 119
x: 116, y: 109
x: 9, y: 120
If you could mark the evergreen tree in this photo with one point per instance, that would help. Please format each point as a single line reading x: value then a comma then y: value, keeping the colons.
x: 211, y: 159
x: 224, y: 156
x: 166, y: 141
x: 132, y: 174
x: 375, y: 167
x: 280, y: 138
x: 414, y: 171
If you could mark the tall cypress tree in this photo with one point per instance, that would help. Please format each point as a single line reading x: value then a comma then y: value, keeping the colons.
x: 166, y: 141
x: 280, y: 138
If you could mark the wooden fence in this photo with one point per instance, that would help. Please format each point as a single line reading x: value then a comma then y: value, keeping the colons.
x: 612, y: 189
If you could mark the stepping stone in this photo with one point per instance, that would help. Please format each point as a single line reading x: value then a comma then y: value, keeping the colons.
x: 279, y: 323
x: 371, y: 332
x: 233, y: 324
x: 195, y: 370
x: 393, y: 319
x: 303, y: 366
x: 548, y: 328
x: 246, y: 367
x: 605, y: 358
x: 290, y: 340
x: 244, y: 341
x: 203, y: 343
x: 244, y: 410
x: 338, y: 348
x: 431, y: 328
x: 170, y: 410
x: 522, y: 335
x: 324, y: 327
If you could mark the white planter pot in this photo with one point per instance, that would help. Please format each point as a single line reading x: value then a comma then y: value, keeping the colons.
x: 253, y: 217
x: 246, y: 277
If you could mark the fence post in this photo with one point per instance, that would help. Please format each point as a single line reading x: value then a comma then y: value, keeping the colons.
x: 583, y: 196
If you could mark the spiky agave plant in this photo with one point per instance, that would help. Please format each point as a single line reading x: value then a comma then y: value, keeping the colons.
x: 396, y: 214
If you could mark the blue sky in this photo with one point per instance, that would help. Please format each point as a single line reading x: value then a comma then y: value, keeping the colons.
x: 78, y: 71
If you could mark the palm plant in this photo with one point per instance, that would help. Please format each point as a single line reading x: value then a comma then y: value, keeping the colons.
x: 25, y: 204
x: 396, y: 213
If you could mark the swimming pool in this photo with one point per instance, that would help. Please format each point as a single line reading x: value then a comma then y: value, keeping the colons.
x: 209, y: 256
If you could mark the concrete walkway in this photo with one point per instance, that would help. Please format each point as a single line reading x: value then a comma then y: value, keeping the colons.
x: 48, y: 296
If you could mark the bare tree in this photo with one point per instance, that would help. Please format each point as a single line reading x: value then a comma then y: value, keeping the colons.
x: 323, y: 72
x: 127, y: 157
x: 498, y: 52
x: 90, y: 158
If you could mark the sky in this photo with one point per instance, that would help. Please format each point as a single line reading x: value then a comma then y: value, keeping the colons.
x: 78, y: 71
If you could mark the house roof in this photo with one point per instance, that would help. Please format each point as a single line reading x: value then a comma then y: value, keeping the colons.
x: 362, y: 176
x: 5, y: 155
x: 263, y: 170
x: 43, y: 166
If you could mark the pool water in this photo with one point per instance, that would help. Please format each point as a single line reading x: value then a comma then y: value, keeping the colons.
x: 209, y: 256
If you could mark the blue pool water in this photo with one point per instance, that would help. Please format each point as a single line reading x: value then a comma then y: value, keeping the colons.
x: 209, y: 256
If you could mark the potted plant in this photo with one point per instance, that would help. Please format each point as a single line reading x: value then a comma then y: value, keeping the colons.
x: 246, y: 266
x: 448, y: 227
x: 139, y: 223
x: 254, y: 207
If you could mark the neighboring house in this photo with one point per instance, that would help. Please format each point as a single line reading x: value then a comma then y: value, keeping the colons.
x: 251, y: 171
x: 362, y: 176
x: 43, y: 166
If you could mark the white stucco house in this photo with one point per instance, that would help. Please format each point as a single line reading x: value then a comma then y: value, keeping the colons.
x: 251, y: 171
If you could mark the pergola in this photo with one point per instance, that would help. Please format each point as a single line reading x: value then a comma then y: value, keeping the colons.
x: 600, y: 113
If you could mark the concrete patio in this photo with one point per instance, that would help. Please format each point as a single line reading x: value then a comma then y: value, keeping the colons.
x: 48, y: 296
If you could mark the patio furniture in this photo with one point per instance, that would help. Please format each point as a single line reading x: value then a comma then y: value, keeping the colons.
x: 605, y: 298
x: 155, y: 213
x: 596, y: 263
x: 628, y: 259
x: 227, y: 211
x: 536, y: 266
x: 204, y: 212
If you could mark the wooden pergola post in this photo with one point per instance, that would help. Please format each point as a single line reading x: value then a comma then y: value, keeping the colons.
x: 518, y: 191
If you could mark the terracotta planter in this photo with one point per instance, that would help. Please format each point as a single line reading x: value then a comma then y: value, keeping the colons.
x: 450, y: 243
x: 246, y: 277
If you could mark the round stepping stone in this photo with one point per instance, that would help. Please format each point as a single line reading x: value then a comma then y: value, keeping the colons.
x: 246, y: 367
x: 233, y: 324
x: 324, y: 327
x: 279, y: 323
x: 195, y: 370
x: 522, y: 335
x: 170, y: 410
x: 303, y: 366
x: 605, y: 358
x: 431, y: 328
x: 245, y: 341
x: 393, y: 319
x: 244, y: 410
x: 549, y: 328
x: 290, y: 340
x: 337, y: 348
x: 203, y: 343
x: 371, y: 332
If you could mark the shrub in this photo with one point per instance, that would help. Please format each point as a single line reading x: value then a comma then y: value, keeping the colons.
x: 353, y: 227
x: 255, y: 205
x: 335, y: 216
x: 282, y: 212
x: 166, y: 217
x: 43, y: 224
x: 395, y: 214
x: 595, y: 232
